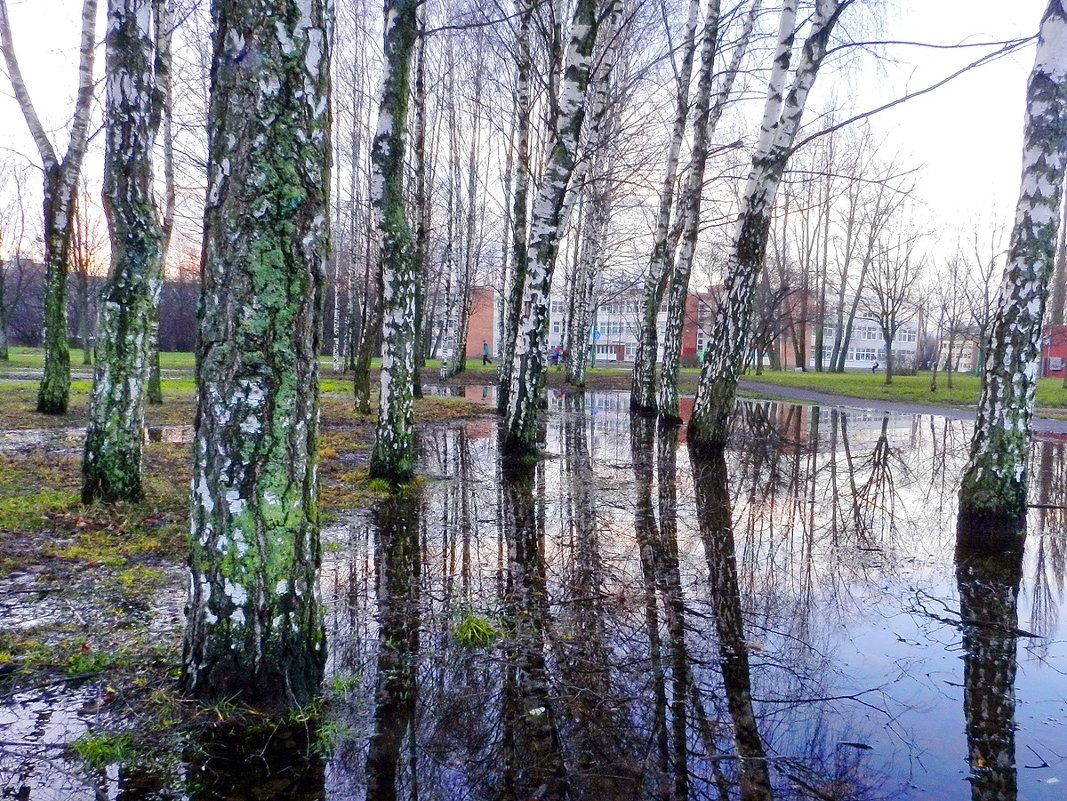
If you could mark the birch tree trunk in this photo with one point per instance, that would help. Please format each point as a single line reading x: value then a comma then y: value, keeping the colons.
x: 255, y: 627
x: 709, y: 424
x: 993, y: 490
x: 520, y: 200
x: 394, y: 457
x: 643, y: 380
x: 708, y: 114
x: 422, y: 212
x: 678, y: 281
x: 527, y: 375
x: 589, y: 265
x: 163, y: 67
x: 60, y: 187
x: 111, y: 469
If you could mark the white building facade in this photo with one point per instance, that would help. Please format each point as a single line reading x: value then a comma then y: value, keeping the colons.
x: 866, y: 346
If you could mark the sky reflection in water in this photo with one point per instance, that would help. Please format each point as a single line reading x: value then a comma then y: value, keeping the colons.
x: 643, y: 648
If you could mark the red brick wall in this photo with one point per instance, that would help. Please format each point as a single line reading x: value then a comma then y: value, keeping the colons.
x: 1053, y: 345
x: 480, y: 328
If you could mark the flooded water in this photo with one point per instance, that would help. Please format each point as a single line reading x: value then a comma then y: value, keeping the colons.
x: 791, y: 621
x: 60, y: 440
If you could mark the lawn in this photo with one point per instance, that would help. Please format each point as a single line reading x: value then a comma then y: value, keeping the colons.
x: 914, y: 388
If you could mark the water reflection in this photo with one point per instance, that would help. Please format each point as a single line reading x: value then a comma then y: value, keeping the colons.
x: 789, y: 621
x: 716, y: 531
x: 989, y: 592
x: 396, y: 686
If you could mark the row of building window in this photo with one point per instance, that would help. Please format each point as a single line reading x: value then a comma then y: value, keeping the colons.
x: 870, y: 333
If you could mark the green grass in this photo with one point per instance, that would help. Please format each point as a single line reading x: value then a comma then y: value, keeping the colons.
x: 906, y: 388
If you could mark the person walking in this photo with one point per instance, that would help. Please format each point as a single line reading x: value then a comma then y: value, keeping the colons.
x: 485, y: 354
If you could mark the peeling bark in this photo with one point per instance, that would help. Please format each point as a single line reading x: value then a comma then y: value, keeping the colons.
x: 255, y: 627
x: 993, y: 490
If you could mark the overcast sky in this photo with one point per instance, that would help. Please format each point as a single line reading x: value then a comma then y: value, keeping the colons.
x: 968, y: 134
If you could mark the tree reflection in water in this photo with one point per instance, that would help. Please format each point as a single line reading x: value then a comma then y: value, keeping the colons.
x: 396, y: 686
x: 989, y: 593
x: 716, y: 531
x: 777, y: 623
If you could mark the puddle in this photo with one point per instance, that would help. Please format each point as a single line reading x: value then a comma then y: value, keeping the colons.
x: 790, y: 622
x: 71, y: 439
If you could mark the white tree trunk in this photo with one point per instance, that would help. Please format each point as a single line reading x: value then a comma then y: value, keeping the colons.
x: 993, y: 491
x: 781, y: 120
x: 527, y: 375
x: 112, y: 465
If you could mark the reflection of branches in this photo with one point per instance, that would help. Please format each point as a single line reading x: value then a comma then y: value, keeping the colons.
x: 533, y: 752
x: 396, y: 689
x: 595, y: 728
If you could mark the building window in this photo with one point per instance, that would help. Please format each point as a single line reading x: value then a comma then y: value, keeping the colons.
x: 555, y: 327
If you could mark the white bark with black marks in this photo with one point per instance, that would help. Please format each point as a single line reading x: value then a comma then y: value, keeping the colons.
x: 254, y: 628
x: 527, y: 374
x: 781, y: 120
x: 993, y: 490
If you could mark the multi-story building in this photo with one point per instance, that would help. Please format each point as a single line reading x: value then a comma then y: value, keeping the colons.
x: 964, y: 354
x: 616, y: 326
x: 866, y: 346
x: 616, y: 329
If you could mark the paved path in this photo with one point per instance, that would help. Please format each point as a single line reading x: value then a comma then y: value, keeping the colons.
x: 1042, y: 425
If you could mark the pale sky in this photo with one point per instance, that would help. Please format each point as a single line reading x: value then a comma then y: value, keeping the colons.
x: 968, y: 134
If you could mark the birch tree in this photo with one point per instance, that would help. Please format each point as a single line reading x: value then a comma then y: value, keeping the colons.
x: 993, y: 490
x: 519, y: 202
x: 781, y: 120
x: 60, y: 188
x: 709, y: 110
x: 163, y: 68
x: 643, y: 381
x: 393, y: 457
x: 111, y: 469
x: 254, y: 628
x: 527, y: 374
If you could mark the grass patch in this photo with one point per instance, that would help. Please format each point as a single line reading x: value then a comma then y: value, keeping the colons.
x: 965, y: 389
x: 98, y: 750
x: 473, y: 631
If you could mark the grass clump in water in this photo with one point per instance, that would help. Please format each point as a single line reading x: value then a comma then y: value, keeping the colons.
x: 475, y: 631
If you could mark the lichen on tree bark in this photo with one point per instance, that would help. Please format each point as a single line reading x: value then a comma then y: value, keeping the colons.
x: 254, y: 627
x: 394, y: 456
x: 111, y: 469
